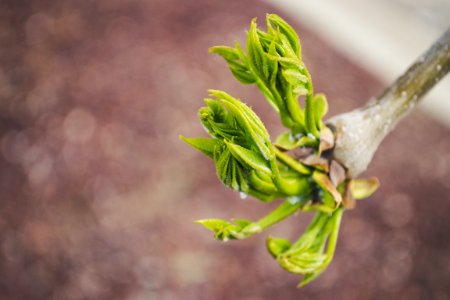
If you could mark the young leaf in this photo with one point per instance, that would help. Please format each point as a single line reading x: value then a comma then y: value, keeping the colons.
x: 277, y: 246
x: 205, y: 145
x: 228, y: 53
x: 223, y: 230
x: 242, y: 222
x: 296, y: 79
x: 236, y: 63
x: 320, y: 109
x: 286, y: 141
x: 248, y: 122
x: 286, y: 30
x: 263, y: 185
x: 292, y: 163
x: 253, y: 159
x: 255, y: 52
x: 310, y: 116
x: 242, y: 74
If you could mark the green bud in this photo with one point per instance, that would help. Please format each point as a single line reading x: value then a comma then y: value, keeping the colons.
x: 313, y: 252
x: 284, y: 28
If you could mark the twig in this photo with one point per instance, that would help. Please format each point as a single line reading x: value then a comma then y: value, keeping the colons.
x: 360, y: 132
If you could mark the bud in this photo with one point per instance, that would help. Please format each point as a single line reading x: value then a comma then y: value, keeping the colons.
x: 313, y: 252
x: 240, y: 146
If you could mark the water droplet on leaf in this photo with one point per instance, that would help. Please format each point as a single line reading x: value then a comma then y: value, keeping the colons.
x: 294, y: 199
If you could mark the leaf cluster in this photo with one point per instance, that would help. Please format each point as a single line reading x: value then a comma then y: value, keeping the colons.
x: 274, y: 64
x: 249, y: 162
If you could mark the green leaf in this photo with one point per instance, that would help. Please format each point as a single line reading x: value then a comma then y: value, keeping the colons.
x: 286, y: 30
x: 224, y: 167
x: 286, y: 141
x: 249, y: 122
x: 313, y: 251
x: 302, y: 263
x: 288, y: 62
x: 299, y: 185
x: 255, y: 52
x: 228, y: 53
x: 242, y: 222
x: 298, y: 80
x: 310, y: 277
x: 242, y: 228
x: 205, y: 145
x: 261, y: 184
x: 248, y: 157
x: 240, y: 52
x: 242, y: 74
x: 292, y: 163
x: 320, y: 109
x: 310, y: 116
x: 223, y: 230
x: 277, y: 246
x: 272, y: 64
x: 217, y: 121
x: 212, y: 224
x: 239, y: 69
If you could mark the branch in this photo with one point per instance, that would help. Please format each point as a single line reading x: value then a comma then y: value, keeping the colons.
x: 360, y: 132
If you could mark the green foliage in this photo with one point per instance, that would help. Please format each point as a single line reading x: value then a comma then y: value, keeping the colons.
x: 242, y: 229
x: 247, y: 161
x: 273, y: 62
x: 313, y: 251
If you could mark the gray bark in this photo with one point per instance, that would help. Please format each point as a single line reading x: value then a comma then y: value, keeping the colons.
x: 359, y: 133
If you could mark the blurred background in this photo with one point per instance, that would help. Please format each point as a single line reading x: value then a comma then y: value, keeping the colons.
x: 98, y: 194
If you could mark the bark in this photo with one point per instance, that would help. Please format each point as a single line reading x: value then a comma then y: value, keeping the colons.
x: 359, y: 133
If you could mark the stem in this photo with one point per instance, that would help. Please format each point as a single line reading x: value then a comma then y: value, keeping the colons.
x: 359, y: 132
x: 280, y: 213
x: 291, y: 162
x: 331, y: 247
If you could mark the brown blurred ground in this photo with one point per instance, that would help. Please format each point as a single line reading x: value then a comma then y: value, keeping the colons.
x: 98, y: 194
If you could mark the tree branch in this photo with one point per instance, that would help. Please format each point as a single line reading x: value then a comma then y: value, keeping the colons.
x: 359, y: 133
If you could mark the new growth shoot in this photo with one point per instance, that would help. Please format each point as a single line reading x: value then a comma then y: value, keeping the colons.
x: 250, y: 162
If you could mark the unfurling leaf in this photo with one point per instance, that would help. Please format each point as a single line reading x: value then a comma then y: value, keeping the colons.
x: 277, y: 246
x: 320, y: 109
x: 223, y: 230
x: 287, y: 141
x: 273, y: 62
x: 285, y: 29
x: 250, y: 158
x: 312, y: 253
x: 242, y: 228
x: 237, y: 63
x: 205, y: 145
